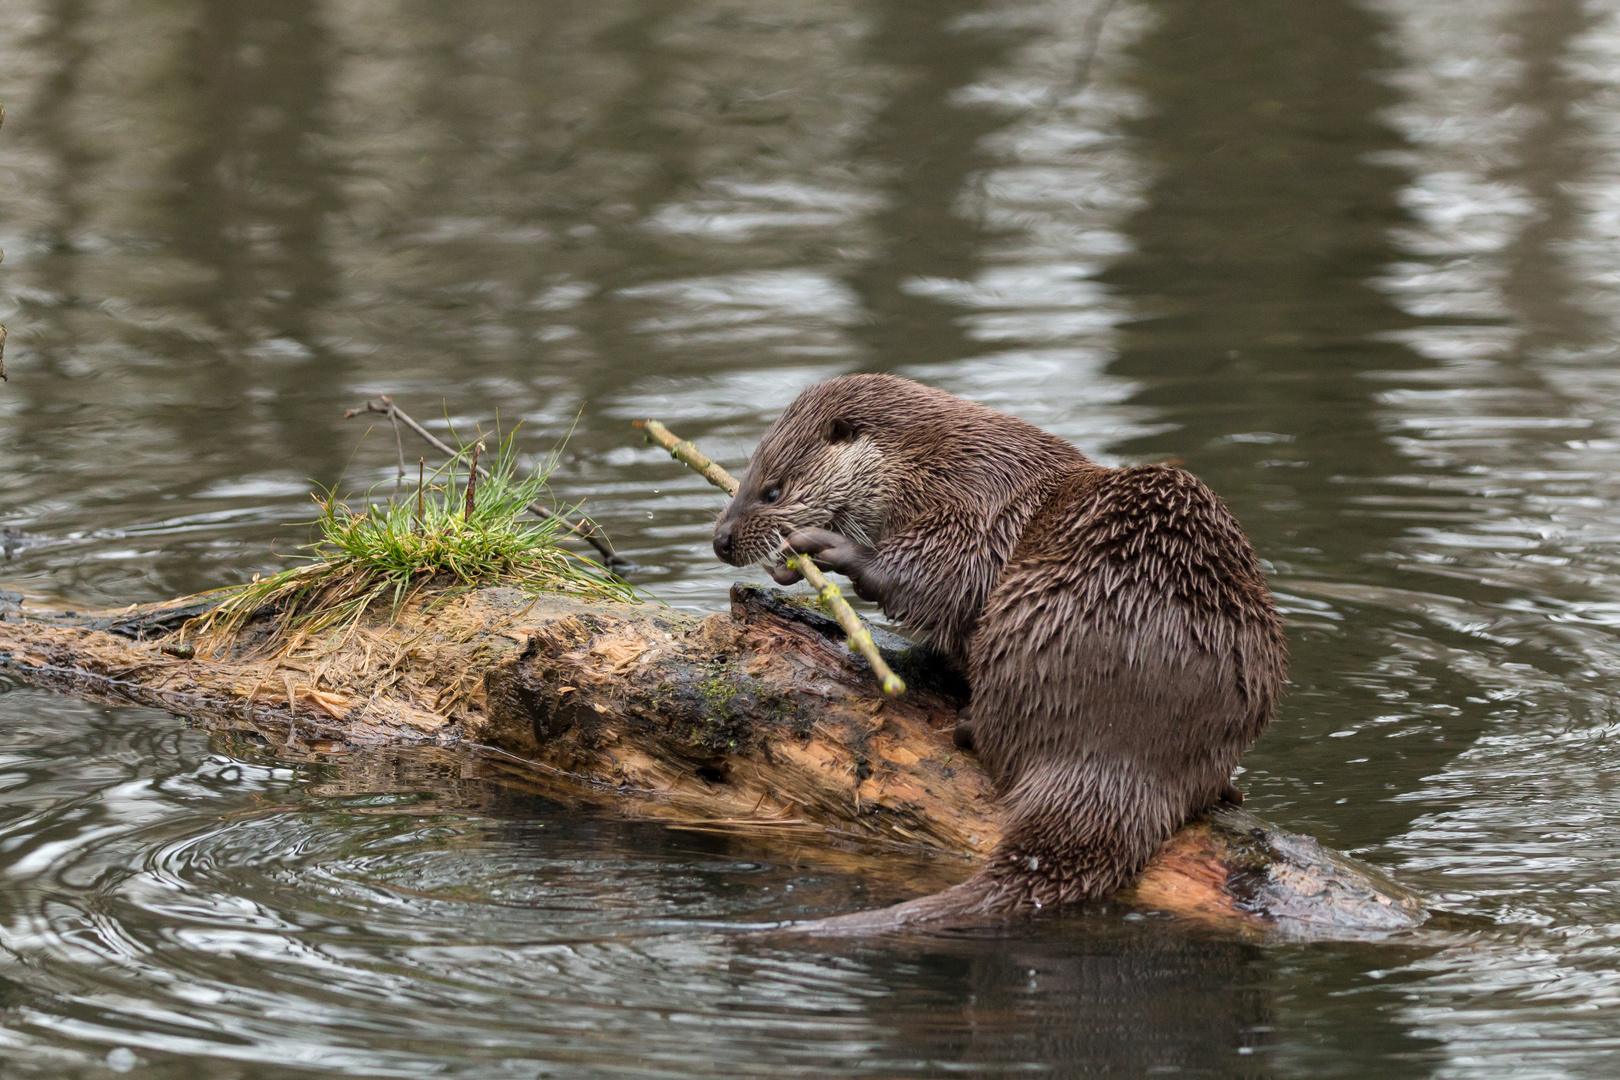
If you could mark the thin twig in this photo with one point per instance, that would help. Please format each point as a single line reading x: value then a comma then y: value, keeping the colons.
x: 688, y: 453
x: 421, y: 482
x: 399, y: 444
x: 583, y: 528
x: 472, y: 482
x: 832, y: 599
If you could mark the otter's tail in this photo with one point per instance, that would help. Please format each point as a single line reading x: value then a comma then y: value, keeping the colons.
x: 1075, y: 831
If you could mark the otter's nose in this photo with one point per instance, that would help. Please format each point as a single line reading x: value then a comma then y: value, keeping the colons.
x: 722, y: 542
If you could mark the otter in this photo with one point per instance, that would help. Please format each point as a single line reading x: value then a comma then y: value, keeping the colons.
x: 1115, y: 628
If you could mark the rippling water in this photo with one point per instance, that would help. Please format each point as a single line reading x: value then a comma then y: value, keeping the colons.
x: 1357, y: 265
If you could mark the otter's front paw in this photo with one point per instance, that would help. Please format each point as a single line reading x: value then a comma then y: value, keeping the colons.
x: 838, y: 553
x: 784, y: 576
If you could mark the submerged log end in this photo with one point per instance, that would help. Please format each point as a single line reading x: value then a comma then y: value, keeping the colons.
x: 1234, y: 869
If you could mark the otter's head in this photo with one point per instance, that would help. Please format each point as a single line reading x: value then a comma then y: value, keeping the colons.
x: 821, y: 465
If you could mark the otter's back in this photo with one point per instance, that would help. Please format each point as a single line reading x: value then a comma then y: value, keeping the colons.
x: 1131, y: 633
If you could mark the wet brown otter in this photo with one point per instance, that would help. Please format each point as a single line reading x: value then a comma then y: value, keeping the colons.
x: 1116, y: 630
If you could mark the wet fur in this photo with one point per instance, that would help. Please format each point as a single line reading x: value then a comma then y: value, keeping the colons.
x: 1115, y: 627
x: 939, y: 486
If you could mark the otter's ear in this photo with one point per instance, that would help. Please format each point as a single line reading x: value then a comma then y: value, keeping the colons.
x: 839, y: 430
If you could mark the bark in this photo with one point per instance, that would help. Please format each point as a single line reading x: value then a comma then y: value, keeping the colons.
x: 758, y: 721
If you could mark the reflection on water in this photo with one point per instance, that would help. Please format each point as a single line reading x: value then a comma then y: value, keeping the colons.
x: 1354, y: 263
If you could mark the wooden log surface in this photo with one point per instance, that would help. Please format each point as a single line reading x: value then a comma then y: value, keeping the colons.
x: 757, y: 722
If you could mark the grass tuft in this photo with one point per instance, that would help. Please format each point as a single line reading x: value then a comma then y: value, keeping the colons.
x: 384, y: 551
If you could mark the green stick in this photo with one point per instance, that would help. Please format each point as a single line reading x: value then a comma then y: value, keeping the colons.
x: 831, y: 598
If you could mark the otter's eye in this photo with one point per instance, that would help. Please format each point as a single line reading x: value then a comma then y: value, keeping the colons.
x: 772, y: 493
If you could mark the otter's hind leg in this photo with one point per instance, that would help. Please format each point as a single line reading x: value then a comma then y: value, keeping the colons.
x: 1105, y: 721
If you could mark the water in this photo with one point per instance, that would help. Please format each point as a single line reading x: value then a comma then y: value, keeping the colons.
x: 1357, y: 265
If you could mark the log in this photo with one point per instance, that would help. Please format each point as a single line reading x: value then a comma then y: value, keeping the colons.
x: 757, y: 722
